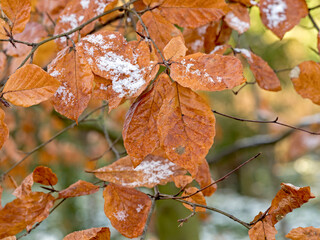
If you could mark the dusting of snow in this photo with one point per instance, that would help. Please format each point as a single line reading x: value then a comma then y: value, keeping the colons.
x: 101, y: 5
x: 85, y: 3
x: 65, y: 94
x: 254, y: 3
x: 275, y: 12
x: 139, y: 208
x: 245, y: 52
x: 55, y: 73
x: 103, y: 87
x: 121, y: 215
x: 295, y: 72
x: 80, y: 18
x: 111, y: 36
x: 236, y: 23
x: 217, y: 48
x: 70, y: 19
x: 202, y: 30
x: 219, y: 79
x: 197, y: 72
x: 196, y: 44
x: 292, y: 186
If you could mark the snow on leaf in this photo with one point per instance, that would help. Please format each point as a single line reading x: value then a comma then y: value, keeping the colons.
x: 238, y: 18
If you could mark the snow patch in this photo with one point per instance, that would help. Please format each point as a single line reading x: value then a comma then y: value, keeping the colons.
x: 245, y: 52
x: 139, y: 208
x: 55, y: 73
x: 120, y: 215
x: 85, y: 3
x: 196, y: 44
x: 65, y: 94
x: 295, y: 72
x: 275, y: 12
x: 236, y: 23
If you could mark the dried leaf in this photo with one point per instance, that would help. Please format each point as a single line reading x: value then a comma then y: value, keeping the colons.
x: 305, y: 79
x: 24, y: 188
x: 210, y: 72
x: 29, y: 85
x: 111, y: 5
x: 203, y: 177
x: 175, y: 49
x: 263, y: 230
x: 23, y: 212
x: 18, y: 12
x: 181, y: 181
x: 186, y: 127
x: 153, y: 170
x: 76, y: 13
x: 4, y: 131
x: 159, y: 28
x: 248, y: 3
x: 9, y: 238
x: 139, y: 5
x: 280, y: 16
x: 76, y: 79
x: 127, y: 209
x: 288, y: 198
x: 33, y: 32
x: 3, y: 63
x: 238, y: 18
x: 307, y: 233
x: 77, y: 189
x: 102, y: 233
x: 192, y: 13
x: 45, y: 176
x: 197, y: 198
x: 140, y: 133
x: 263, y: 73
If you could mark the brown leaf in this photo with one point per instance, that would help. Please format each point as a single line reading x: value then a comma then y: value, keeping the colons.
x: 305, y: 79
x: 18, y: 12
x: 29, y: 85
x: 263, y: 230
x: 23, y: 212
x: 159, y: 28
x: 318, y: 41
x: 45, y: 176
x: 76, y: 13
x: 139, y: 5
x: 191, y: 13
x: 76, y: 79
x: 288, y: 198
x: 140, y: 134
x: 127, y: 209
x: 3, y: 63
x: 77, y: 189
x: 197, y: 198
x: 51, y: 8
x: 282, y: 16
x: 175, y: 49
x: 181, y: 181
x: 130, y: 66
x: 186, y: 127
x: 203, y: 177
x: 210, y: 72
x: 102, y: 233
x: 248, y: 3
x: 33, y: 32
x: 263, y: 73
x: 4, y: 131
x: 153, y: 170
x: 9, y: 238
x: 307, y: 233
x: 24, y: 188
x: 238, y: 18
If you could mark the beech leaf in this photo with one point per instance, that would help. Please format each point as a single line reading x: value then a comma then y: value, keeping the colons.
x: 203, y: 177
x: 197, y: 198
x: 127, y: 209
x: 181, y: 181
x: 175, y: 49
x: 307, y: 233
x: 102, y: 233
x: 186, y: 127
x: 29, y: 85
x: 153, y: 170
x: 45, y: 176
x: 80, y: 188
x: 238, y: 18
x: 263, y: 229
x: 24, y: 188
x: 4, y: 131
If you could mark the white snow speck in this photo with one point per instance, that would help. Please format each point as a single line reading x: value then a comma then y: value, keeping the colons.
x: 55, y: 73
x: 245, y: 52
x: 121, y: 215
x: 139, y: 208
x: 217, y: 48
x: 70, y: 19
x: 236, y: 23
x: 292, y: 186
x: 111, y: 36
x: 85, y: 4
x: 103, y: 87
x: 196, y: 44
x: 295, y: 72
x: 64, y: 93
x: 275, y: 12
x: 101, y: 5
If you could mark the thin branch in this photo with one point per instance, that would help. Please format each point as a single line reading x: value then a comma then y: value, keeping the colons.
x: 313, y: 22
x: 110, y: 148
x: 270, y: 121
x: 183, y: 220
x: 50, y: 140
x: 247, y: 225
x: 245, y: 84
x: 312, y: 8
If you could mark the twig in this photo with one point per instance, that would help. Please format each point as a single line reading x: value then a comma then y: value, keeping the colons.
x: 313, y: 22
x: 271, y: 121
x: 110, y: 148
x: 312, y: 8
x: 183, y: 220
x: 245, y: 84
x: 50, y: 140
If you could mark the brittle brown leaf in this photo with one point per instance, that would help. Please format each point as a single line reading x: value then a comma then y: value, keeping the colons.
x: 80, y: 188
x: 288, y: 198
x: 197, y: 198
x: 263, y: 230
x: 186, y: 127
x: 45, y: 176
x: 280, y: 16
x: 24, y: 188
x: 263, y: 73
x: 23, y: 212
x: 203, y: 177
x: 305, y: 80
x: 76, y: 79
x: 238, y: 18
x: 102, y: 233
x: 4, y: 130
x: 18, y: 12
x: 181, y: 181
x: 140, y: 134
x: 153, y: 170
x: 127, y: 209
x: 175, y: 49
x: 29, y: 85
x: 307, y: 233
x: 191, y: 13
x: 159, y: 28
x: 208, y: 72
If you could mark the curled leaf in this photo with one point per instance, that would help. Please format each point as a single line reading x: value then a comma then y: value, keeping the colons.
x: 45, y: 176
x: 102, y: 233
